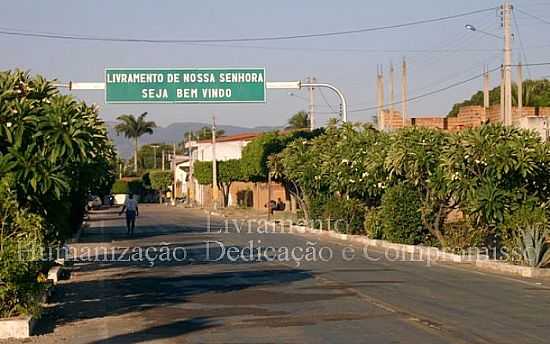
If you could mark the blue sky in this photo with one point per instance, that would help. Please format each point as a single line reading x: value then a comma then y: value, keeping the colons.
x: 348, y: 62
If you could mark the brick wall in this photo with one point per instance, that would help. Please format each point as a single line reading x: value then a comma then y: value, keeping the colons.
x: 467, y: 117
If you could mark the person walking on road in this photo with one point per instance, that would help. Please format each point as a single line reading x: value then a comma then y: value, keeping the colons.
x: 132, y: 210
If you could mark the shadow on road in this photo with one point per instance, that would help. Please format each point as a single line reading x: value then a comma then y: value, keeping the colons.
x: 170, y: 330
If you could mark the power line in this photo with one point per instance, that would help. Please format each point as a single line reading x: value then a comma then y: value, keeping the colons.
x: 14, y: 32
x: 326, y: 101
x: 456, y: 84
x: 534, y: 16
x: 521, y: 43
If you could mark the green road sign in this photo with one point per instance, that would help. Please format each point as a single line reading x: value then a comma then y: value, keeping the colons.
x: 185, y: 85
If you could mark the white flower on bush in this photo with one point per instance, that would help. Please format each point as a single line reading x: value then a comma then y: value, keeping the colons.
x: 9, y: 124
x: 345, y: 161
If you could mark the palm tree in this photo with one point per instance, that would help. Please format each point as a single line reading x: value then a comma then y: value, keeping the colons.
x: 134, y: 128
x: 300, y: 120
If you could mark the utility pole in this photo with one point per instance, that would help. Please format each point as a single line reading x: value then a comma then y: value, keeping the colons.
x: 311, y: 111
x: 486, y: 102
x: 502, y: 117
x: 163, y: 158
x: 380, y: 89
x: 404, y: 90
x: 214, y: 166
x: 190, y: 184
x: 392, y: 88
x: 174, y: 172
x: 506, y: 9
x: 520, y: 89
x: 155, y: 155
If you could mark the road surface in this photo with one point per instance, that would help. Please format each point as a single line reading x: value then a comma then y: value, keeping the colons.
x: 208, y: 288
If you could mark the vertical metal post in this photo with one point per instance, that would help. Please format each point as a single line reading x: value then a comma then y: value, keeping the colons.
x: 190, y: 184
x: 269, y: 209
x: 163, y: 159
x: 311, y: 104
x: 214, y: 166
x: 174, y: 171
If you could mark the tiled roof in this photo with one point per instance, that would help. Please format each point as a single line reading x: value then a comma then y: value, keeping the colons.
x: 230, y: 138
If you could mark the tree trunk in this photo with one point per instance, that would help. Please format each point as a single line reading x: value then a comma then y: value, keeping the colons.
x: 136, y: 156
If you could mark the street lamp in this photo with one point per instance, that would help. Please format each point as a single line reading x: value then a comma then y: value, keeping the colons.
x: 155, y: 155
x: 472, y: 28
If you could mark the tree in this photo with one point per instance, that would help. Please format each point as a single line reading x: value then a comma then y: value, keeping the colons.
x: 415, y: 158
x: 535, y: 93
x: 205, y: 133
x: 229, y: 171
x: 299, y: 120
x: 494, y: 169
x: 54, y: 152
x: 161, y: 181
x: 134, y: 128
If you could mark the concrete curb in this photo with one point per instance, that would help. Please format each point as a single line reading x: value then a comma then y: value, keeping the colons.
x: 423, y: 252
x: 20, y: 327
x: 524, y: 271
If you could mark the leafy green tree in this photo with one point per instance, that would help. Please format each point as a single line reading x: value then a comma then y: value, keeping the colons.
x: 133, y: 128
x: 205, y: 133
x: 54, y: 152
x: 535, y: 93
x: 256, y: 153
x: 493, y: 169
x: 415, y: 158
x: 228, y: 171
x: 299, y: 120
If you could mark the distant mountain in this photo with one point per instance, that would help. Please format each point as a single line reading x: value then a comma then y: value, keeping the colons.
x: 172, y: 133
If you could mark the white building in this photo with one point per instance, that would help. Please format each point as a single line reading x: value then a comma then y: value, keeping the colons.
x: 227, y: 147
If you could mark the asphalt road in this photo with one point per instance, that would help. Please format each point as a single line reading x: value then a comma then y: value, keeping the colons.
x: 200, y: 283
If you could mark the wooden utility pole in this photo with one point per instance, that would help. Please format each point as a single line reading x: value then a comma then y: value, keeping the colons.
x: 486, y: 102
x: 163, y: 159
x: 311, y: 111
x: 506, y: 22
x: 214, y: 166
x: 520, y: 89
x: 404, y: 90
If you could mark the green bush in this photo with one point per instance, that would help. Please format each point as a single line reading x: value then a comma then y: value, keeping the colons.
x: 525, y: 234
x: 461, y: 236
x: 161, y: 180
x: 21, y: 244
x: 401, y: 216
x: 120, y: 187
x: 374, y: 226
x: 345, y: 215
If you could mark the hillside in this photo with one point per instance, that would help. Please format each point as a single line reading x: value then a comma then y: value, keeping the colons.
x: 172, y: 133
x: 535, y: 93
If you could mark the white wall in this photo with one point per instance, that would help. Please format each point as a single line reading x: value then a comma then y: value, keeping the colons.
x: 224, y: 150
